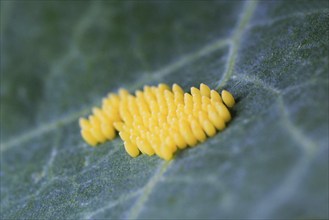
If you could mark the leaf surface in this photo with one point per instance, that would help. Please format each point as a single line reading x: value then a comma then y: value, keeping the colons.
x: 58, y: 59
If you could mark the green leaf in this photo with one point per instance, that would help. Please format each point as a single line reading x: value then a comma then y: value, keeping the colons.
x: 58, y: 59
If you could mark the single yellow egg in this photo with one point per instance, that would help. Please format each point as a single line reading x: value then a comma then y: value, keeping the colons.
x: 228, y: 99
x: 205, y: 90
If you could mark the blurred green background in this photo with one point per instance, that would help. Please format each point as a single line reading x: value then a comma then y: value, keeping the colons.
x: 59, y: 58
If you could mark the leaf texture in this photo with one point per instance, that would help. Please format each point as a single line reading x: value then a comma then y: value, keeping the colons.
x: 58, y: 59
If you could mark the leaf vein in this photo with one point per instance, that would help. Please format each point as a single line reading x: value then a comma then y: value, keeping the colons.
x: 112, y: 204
x: 250, y: 7
x: 147, y: 190
x: 284, y: 18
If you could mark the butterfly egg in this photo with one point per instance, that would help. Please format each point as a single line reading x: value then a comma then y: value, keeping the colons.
x: 138, y: 121
x: 124, y: 135
x: 155, y: 143
x: 146, y: 117
x: 187, y: 133
x: 168, y: 139
x: 190, y: 117
x: 180, y: 111
x: 178, y: 94
x: 132, y: 135
x: 94, y: 121
x: 175, y: 133
x: 100, y: 114
x: 156, y: 121
x: 123, y: 105
x: 154, y: 107
x: 119, y: 126
x: 173, y: 123
x: 142, y: 129
x: 197, y: 129
x: 205, y: 102
x: 215, y: 97
x: 150, y: 139
x: 166, y: 153
x: 108, y: 130
x: 153, y: 122
x: 157, y: 132
x: 178, y: 98
x: 215, y: 118
x: 154, y: 90
x: 147, y: 88
x: 131, y: 149
x: 206, y: 125
x: 89, y: 138
x: 169, y: 97
x: 166, y: 127
x: 179, y: 139
x: 114, y: 100
x: 135, y: 126
x: 139, y: 144
x: 187, y: 111
x: 164, y: 134
x: 170, y: 117
x: 188, y: 103
x: 161, y: 118
x: 123, y: 93
x: 196, y: 108
x: 144, y: 146
x: 223, y: 111
x: 143, y: 109
x: 149, y: 99
x: 139, y: 94
x: 163, y: 87
x: 113, y: 114
x: 106, y: 103
x: 195, y: 91
x: 134, y: 131
x: 84, y: 124
x: 204, y: 90
x: 161, y: 102
x: 126, y: 116
x: 148, y: 95
x: 141, y: 103
x: 111, y: 111
x: 98, y: 134
x: 177, y: 89
x: 149, y: 146
x: 197, y: 98
x: 228, y: 99
x: 132, y: 106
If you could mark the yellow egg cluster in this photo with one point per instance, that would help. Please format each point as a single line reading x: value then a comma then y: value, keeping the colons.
x: 158, y: 120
